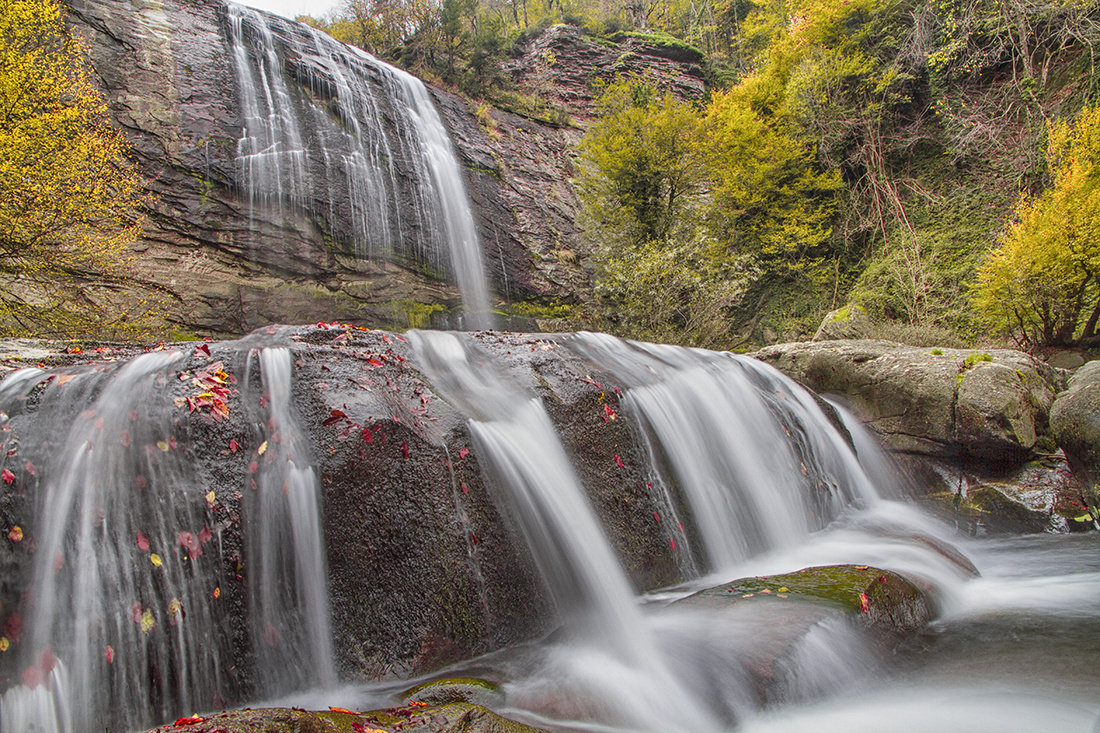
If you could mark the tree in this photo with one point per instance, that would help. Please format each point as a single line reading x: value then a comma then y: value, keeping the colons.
x: 68, y: 201
x: 638, y: 163
x: 1042, y: 284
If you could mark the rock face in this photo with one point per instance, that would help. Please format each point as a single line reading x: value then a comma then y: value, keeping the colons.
x: 234, y: 244
x: 1075, y: 425
x: 849, y: 322
x: 991, y: 407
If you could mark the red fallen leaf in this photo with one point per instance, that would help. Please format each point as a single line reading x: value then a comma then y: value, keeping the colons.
x: 465, y: 489
x: 334, y: 416
x: 205, y: 535
x: 340, y: 710
x: 140, y: 482
x: 190, y: 542
x: 417, y: 704
x: 619, y: 461
x: 234, y: 446
x: 202, y: 348
x: 135, y: 612
x: 271, y: 636
x: 13, y: 627
x: 142, y: 542
x: 473, y: 540
x: 99, y: 423
x: 368, y: 436
x: 680, y: 526
x: 253, y: 467
x: 109, y: 654
x: 125, y: 439
x: 463, y: 452
x: 7, y: 475
x: 32, y: 677
x: 405, y: 450
x: 609, y: 414
x: 863, y: 603
x: 656, y: 516
x: 187, y: 721
x: 133, y: 415
x: 672, y: 542
x: 30, y: 468
x: 58, y: 561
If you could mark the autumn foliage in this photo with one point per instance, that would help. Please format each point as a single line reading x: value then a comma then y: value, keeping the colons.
x: 68, y: 199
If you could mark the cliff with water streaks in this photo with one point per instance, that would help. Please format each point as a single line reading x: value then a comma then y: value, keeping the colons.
x: 287, y: 184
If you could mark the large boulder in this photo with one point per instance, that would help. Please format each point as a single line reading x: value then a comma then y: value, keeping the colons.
x: 988, y: 406
x: 1075, y: 426
x: 849, y: 322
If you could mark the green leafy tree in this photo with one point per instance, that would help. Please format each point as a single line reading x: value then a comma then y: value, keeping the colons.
x: 68, y: 199
x: 638, y: 164
x: 1041, y: 286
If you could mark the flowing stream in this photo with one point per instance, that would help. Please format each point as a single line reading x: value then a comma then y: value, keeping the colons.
x: 132, y: 547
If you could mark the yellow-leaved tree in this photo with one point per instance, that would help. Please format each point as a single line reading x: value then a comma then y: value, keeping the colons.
x: 1041, y: 286
x: 68, y: 198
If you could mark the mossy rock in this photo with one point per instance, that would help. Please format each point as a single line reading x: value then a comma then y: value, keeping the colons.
x: 879, y: 598
x: 454, y: 690
x: 415, y: 718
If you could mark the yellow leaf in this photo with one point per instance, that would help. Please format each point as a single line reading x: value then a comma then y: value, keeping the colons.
x: 262, y: 449
x: 148, y: 623
x: 155, y: 559
x: 4, y: 643
x: 162, y: 445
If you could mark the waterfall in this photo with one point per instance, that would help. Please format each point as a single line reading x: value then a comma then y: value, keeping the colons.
x: 130, y: 618
x: 334, y: 132
x: 742, y: 450
x: 537, y: 483
x: 288, y: 584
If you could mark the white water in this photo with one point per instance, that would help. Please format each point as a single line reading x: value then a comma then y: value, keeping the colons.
x: 287, y: 579
x: 537, y: 484
x: 374, y: 136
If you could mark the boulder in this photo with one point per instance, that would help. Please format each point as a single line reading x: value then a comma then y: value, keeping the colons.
x: 849, y: 322
x: 1075, y: 426
x: 453, y: 690
x: 991, y: 407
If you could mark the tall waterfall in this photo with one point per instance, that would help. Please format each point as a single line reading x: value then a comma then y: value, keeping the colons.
x: 324, y: 122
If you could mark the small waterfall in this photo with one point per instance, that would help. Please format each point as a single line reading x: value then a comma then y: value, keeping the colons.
x: 751, y: 456
x: 527, y: 462
x: 128, y: 531
x: 288, y: 582
x: 358, y: 142
x: 120, y: 603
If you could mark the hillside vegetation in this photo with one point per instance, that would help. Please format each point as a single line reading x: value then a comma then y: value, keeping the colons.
x: 866, y: 151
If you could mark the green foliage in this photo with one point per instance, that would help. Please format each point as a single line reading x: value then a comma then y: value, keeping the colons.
x: 638, y: 164
x: 1042, y: 285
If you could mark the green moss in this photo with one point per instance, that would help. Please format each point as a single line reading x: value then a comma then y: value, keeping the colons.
x: 937, y: 352
x: 455, y: 690
x: 837, y: 585
x: 680, y: 50
x: 975, y: 359
x: 535, y: 310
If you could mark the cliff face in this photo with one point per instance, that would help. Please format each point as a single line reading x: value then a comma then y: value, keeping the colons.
x: 236, y: 245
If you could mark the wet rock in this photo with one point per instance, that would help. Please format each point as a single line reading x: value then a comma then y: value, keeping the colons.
x: 456, y: 690
x: 449, y: 718
x: 987, y: 406
x: 879, y: 599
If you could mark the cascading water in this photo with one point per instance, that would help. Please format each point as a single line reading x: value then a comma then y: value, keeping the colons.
x: 142, y: 591
x: 520, y: 445
x: 755, y: 460
x: 129, y: 540
x: 288, y: 584
x: 379, y: 152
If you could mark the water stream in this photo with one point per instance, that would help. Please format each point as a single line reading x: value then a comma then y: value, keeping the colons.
x: 133, y: 545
